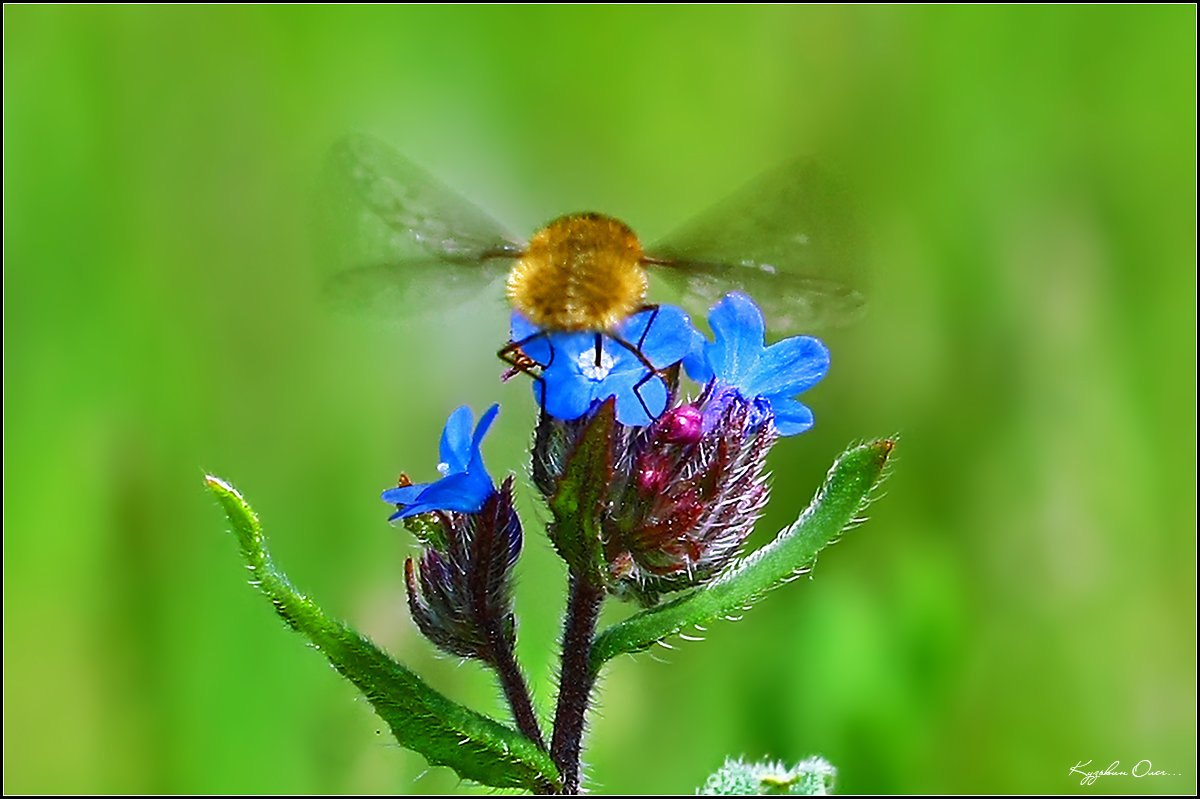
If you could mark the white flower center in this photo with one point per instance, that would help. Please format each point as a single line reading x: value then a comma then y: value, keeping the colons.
x: 592, y: 370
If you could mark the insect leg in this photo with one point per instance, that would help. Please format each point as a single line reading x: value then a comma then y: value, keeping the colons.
x: 512, y: 354
x: 520, y: 363
x: 646, y: 330
x: 651, y: 372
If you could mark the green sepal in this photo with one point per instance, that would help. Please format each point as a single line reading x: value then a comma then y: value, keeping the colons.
x: 836, y: 505
x: 429, y: 529
x: 580, y: 495
x: 447, y: 734
x: 811, y: 777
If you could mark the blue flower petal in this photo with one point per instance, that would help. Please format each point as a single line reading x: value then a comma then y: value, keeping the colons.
x: 485, y: 422
x: 633, y: 401
x: 695, y: 363
x: 789, y: 367
x: 668, y: 340
x: 404, y: 495
x: 458, y: 492
x: 739, y: 330
x: 455, y: 448
x: 568, y: 395
x: 626, y: 372
x: 415, y: 510
x: 520, y: 327
x: 464, y: 492
x: 407, y: 511
x: 537, y: 349
x: 791, y: 416
x: 626, y: 365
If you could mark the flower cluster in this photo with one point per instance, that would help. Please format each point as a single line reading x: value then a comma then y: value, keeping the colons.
x: 581, y: 369
x: 669, y: 488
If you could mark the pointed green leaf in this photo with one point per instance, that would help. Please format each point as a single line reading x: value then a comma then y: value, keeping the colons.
x: 581, y: 492
x: 837, y: 503
x: 446, y: 733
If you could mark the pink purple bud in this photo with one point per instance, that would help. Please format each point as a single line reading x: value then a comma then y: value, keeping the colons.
x: 682, y: 425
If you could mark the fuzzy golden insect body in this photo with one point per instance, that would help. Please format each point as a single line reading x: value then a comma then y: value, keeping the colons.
x: 580, y: 272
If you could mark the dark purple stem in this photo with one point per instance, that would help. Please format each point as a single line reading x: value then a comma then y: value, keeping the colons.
x: 515, y: 690
x: 575, y: 680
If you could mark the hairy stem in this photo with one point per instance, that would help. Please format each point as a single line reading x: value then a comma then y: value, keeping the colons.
x: 512, y: 682
x: 576, y: 679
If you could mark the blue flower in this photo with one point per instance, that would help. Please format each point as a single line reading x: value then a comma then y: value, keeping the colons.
x: 766, y: 377
x: 466, y: 485
x: 573, y: 379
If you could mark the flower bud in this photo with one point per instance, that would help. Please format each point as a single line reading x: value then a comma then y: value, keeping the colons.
x: 682, y: 425
x: 677, y: 498
x: 460, y: 593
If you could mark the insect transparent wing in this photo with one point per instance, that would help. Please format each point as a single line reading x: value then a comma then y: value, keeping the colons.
x: 415, y: 206
x: 392, y: 240
x: 789, y: 240
x: 416, y: 287
x: 791, y: 303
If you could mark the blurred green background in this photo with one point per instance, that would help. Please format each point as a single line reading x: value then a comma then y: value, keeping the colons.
x: 1022, y: 599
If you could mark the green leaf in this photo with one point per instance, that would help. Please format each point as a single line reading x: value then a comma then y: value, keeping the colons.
x: 811, y: 777
x: 580, y: 495
x: 446, y: 733
x: 835, y: 506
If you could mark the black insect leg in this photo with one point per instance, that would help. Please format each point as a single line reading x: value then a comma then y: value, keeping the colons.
x: 512, y: 354
x: 649, y: 323
x: 652, y: 371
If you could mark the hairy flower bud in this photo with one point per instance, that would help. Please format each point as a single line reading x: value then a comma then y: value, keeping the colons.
x: 682, y: 425
x: 695, y: 499
x: 460, y: 594
x: 678, y: 499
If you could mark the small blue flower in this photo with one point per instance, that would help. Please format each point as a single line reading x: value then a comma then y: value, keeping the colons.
x: 466, y: 485
x: 766, y: 377
x: 574, y: 379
